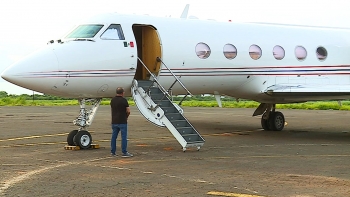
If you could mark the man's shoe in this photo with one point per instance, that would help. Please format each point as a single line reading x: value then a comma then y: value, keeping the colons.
x: 113, y: 155
x: 127, y: 154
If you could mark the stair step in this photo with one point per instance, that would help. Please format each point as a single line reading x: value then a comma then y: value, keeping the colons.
x: 170, y: 109
x: 196, y: 142
x: 186, y: 130
x: 155, y: 90
x: 163, y: 103
x: 192, y: 138
x: 174, y: 116
x: 144, y: 83
x: 180, y: 123
x: 158, y: 96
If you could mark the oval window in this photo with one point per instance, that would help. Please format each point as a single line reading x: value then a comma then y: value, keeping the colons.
x: 300, y: 53
x: 321, y: 53
x: 230, y: 51
x: 202, y: 50
x: 255, y: 52
x: 278, y: 52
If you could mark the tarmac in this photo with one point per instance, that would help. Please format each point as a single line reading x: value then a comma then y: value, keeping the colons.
x: 309, y: 158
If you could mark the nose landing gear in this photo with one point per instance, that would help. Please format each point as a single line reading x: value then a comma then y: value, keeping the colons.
x: 82, y: 137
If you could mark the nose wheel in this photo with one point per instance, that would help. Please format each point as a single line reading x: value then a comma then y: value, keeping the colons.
x: 81, y: 138
x: 70, y: 138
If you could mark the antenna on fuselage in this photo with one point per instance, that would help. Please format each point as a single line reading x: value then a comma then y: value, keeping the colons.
x: 185, y: 11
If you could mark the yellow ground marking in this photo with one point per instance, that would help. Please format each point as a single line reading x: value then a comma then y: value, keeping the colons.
x: 107, y: 140
x: 231, y: 194
x: 142, y: 145
x: 35, y: 136
x: 137, y: 140
x: 32, y: 144
x: 102, y: 140
x: 171, y: 138
x: 229, y: 133
x: 11, y: 164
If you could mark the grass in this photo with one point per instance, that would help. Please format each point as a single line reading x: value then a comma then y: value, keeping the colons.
x: 320, y: 105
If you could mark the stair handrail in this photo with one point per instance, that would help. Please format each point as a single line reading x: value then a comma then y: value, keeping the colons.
x: 155, y: 79
x: 161, y: 87
x: 176, y: 78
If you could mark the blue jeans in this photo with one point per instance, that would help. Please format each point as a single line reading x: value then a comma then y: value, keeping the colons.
x: 124, y: 133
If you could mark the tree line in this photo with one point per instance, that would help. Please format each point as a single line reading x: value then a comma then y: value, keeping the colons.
x: 4, y: 94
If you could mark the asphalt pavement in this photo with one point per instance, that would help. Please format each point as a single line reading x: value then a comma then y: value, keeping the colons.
x: 309, y: 158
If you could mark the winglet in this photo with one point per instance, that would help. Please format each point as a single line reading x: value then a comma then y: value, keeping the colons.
x: 185, y: 11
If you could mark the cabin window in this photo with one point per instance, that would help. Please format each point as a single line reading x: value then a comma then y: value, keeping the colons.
x: 300, y: 53
x: 230, y: 51
x: 113, y: 32
x: 203, y: 50
x: 255, y: 52
x: 85, y: 31
x: 278, y: 52
x: 321, y: 53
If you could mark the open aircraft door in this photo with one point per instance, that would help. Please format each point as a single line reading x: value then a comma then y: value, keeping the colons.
x: 148, y: 49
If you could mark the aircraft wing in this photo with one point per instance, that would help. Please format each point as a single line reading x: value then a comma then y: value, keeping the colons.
x: 305, y: 92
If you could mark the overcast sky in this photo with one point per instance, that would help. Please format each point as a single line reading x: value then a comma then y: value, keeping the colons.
x: 26, y: 25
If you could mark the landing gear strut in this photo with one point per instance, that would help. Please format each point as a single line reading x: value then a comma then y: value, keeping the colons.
x: 271, y: 120
x: 82, y: 137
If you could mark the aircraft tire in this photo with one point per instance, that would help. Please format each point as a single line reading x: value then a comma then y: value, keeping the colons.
x: 83, y: 139
x: 70, y: 137
x: 276, y: 121
x: 265, y: 124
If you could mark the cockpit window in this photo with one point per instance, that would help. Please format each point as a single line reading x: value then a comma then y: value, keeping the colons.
x: 85, y: 31
x: 113, y: 32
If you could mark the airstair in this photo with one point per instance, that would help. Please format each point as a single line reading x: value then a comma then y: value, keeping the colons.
x: 155, y: 104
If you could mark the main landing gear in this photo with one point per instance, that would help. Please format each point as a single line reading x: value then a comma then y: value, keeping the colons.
x: 82, y: 137
x: 271, y: 120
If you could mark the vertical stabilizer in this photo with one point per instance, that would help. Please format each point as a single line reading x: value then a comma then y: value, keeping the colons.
x: 185, y: 12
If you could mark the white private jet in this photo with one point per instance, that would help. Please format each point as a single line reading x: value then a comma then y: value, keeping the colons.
x: 154, y: 58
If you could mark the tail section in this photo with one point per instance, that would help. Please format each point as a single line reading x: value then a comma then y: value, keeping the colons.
x: 185, y: 11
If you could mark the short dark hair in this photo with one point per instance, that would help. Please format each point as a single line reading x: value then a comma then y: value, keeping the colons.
x: 119, y: 90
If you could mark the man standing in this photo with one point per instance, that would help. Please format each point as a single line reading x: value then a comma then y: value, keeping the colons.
x: 120, y: 113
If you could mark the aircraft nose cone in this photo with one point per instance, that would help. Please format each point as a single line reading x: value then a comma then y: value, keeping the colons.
x: 8, y: 74
x: 4, y: 75
x: 26, y: 72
